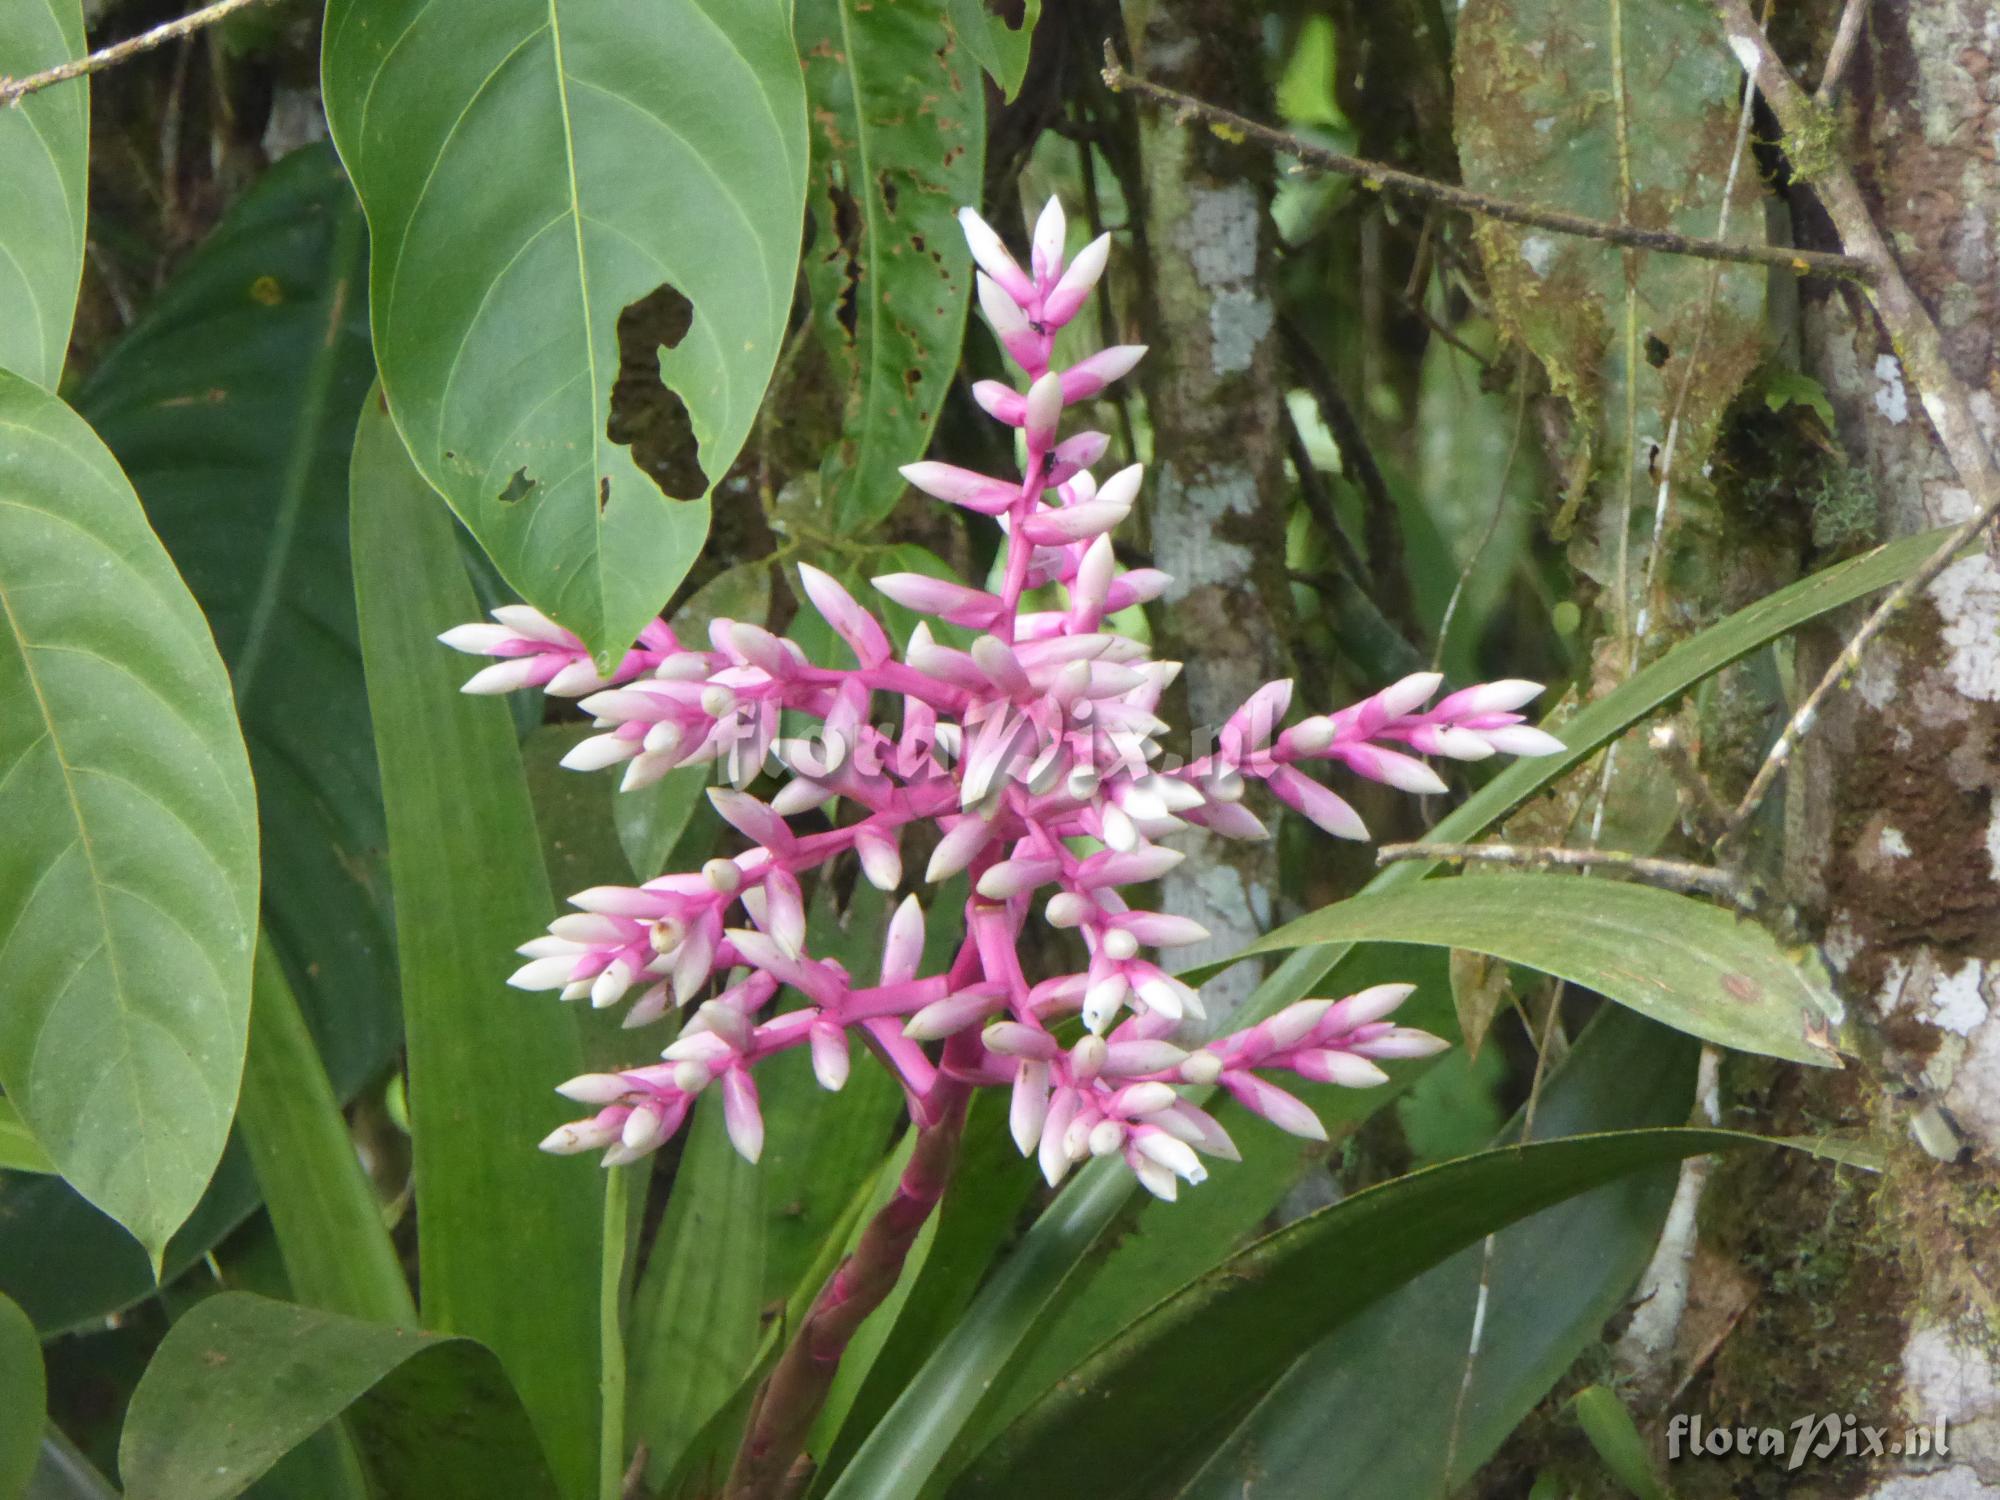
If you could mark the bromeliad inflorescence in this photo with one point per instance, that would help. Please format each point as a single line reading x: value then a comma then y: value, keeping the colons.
x: 1035, y: 755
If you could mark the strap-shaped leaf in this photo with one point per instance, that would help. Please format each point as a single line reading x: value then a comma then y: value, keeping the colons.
x: 128, y: 877
x: 242, y: 1380
x: 1686, y: 964
x: 231, y: 404
x: 898, y: 147
x: 1156, y: 1395
x: 44, y: 148
x: 532, y: 169
x: 510, y: 1242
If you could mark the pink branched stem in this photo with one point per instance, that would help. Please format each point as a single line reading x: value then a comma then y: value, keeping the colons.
x: 1034, y: 758
x: 794, y: 1392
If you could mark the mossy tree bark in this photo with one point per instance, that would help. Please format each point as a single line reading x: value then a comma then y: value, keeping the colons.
x: 1216, y: 513
x: 1891, y: 832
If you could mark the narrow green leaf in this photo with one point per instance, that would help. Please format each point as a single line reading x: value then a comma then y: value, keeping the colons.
x: 915, y: 1437
x: 1679, y: 961
x: 898, y: 114
x: 1002, y: 50
x: 651, y: 820
x: 44, y: 151
x: 1140, y: 1407
x: 241, y: 1380
x: 21, y: 1414
x: 1615, y: 1436
x: 612, y: 1289
x: 327, y: 1218
x: 695, y: 1323
x: 1388, y: 1370
x: 19, y: 1150
x: 231, y: 403
x: 128, y: 879
x: 533, y: 173
x: 508, y: 1239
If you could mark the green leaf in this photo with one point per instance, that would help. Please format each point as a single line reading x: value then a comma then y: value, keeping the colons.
x: 532, y: 172
x: 231, y: 403
x: 508, y: 1239
x: 695, y: 1320
x: 1783, y: 387
x: 651, y: 820
x: 19, y: 1150
x: 323, y: 1209
x: 44, y: 151
x: 1628, y: 337
x: 898, y: 113
x: 128, y: 878
x: 919, y: 1432
x: 21, y: 1414
x: 1001, y: 49
x: 1158, y: 1394
x: 241, y: 1380
x: 1615, y: 1436
x: 1388, y: 1371
x: 1682, y: 962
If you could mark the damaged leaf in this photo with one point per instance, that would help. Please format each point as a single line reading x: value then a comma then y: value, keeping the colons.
x: 898, y: 146
x: 530, y: 171
x: 1544, y: 116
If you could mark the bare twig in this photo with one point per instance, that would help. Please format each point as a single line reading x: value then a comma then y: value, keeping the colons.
x: 1915, y: 338
x: 768, y: 1464
x: 13, y: 90
x: 1380, y: 175
x: 1677, y: 873
x: 1842, y: 50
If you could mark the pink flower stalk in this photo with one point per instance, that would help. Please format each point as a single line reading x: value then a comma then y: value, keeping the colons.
x: 1031, y: 762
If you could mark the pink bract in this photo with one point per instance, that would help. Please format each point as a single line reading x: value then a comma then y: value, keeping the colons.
x: 1035, y: 758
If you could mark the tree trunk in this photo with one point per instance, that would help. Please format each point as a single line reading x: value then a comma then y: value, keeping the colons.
x: 1216, y: 513
x: 1878, y: 1297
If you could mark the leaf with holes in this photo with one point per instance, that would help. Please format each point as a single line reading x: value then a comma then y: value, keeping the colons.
x: 898, y: 146
x: 999, y: 42
x: 128, y: 877
x: 44, y: 146
x: 540, y: 179
x: 231, y: 404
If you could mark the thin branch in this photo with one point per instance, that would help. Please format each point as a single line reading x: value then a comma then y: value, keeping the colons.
x: 1842, y: 50
x: 1380, y: 175
x: 1381, y: 527
x: 1915, y: 339
x: 1675, y: 873
x: 13, y: 90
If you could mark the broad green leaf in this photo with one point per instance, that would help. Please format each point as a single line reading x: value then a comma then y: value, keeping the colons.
x: 231, y: 403
x: 1001, y: 49
x: 1682, y: 962
x: 695, y: 1323
x: 1615, y: 1436
x: 920, y: 1430
x: 241, y: 1380
x: 508, y: 1239
x: 1156, y: 1396
x: 1388, y: 1371
x: 1544, y: 116
x: 70, y: 1266
x: 323, y: 1209
x: 534, y: 172
x: 44, y: 150
x: 128, y: 877
x: 21, y: 1413
x: 898, y: 114
x: 19, y: 1150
